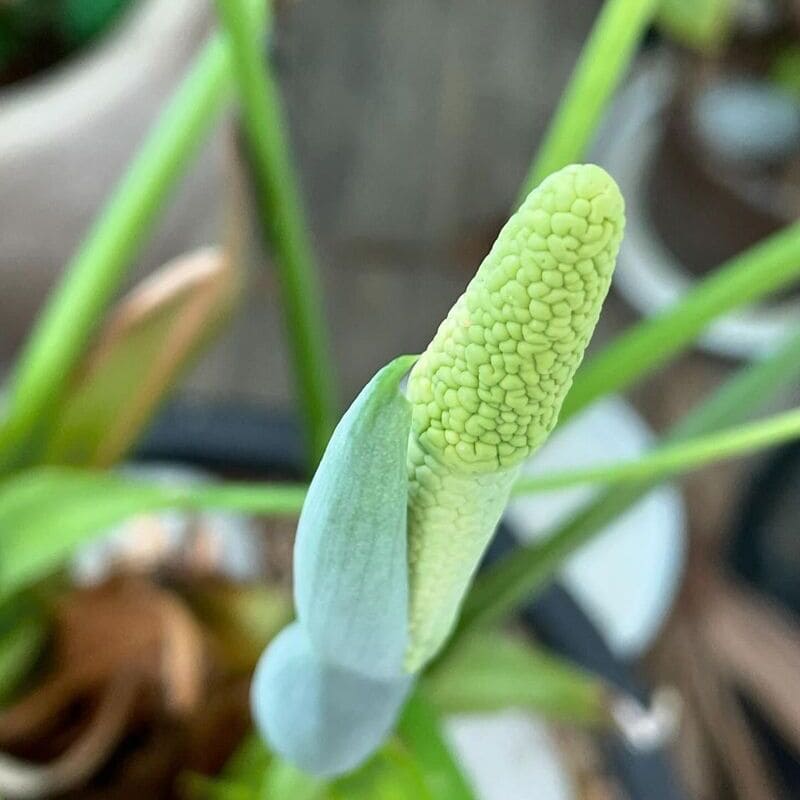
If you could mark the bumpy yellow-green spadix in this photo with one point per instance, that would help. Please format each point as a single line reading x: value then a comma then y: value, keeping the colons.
x: 487, y: 391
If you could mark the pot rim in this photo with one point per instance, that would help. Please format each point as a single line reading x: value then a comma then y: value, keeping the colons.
x: 650, y: 277
x: 43, y: 108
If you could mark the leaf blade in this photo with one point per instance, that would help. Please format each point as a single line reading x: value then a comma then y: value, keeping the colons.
x: 492, y: 671
x: 146, y: 344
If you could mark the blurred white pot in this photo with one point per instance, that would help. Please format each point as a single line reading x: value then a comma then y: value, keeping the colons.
x: 509, y: 756
x: 649, y: 276
x: 65, y: 138
x: 627, y: 578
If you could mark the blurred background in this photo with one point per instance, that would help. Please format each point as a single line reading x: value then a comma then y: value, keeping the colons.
x: 412, y: 125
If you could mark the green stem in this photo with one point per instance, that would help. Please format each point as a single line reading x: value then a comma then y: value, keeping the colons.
x: 503, y: 587
x: 282, y: 214
x: 420, y: 732
x: 616, y: 34
x: 96, y: 270
x: 677, y: 458
x: 746, y: 278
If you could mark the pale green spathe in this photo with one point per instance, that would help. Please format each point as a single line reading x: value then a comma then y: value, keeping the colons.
x: 350, y: 563
x: 323, y: 719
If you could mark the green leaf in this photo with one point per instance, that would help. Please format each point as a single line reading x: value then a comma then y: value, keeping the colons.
x: 768, y: 266
x: 45, y: 514
x: 283, y: 782
x: 42, y: 373
x: 616, y: 34
x: 420, y: 732
x: 391, y: 774
x: 704, y: 25
x: 784, y: 71
x: 507, y: 584
x: 249, y: 763
x: 23, y: 632
x: 492, y: 671
x: 674, y: 459
x: 145, y: 345
x: 200, y: 787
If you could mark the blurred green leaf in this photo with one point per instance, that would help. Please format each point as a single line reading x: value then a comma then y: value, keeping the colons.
x: 278, y: 195
x: 392, y: 774
x: 492, y: 671
x: 249, y: 763
x: 419, y: 730
x: 200, y: 787
x: 43, y: 370
x: 145, y: 346
x: 23, y: 632
x: 604, y: 60
x: 46, y: 513
x: 283, y: 782
x: 703, y: 25
x: 785, y: 69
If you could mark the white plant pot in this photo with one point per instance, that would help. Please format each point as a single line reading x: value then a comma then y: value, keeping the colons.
x: 509, y: 756
x: 66, y: 136
x: 649, y: 276
x: 627, y: 578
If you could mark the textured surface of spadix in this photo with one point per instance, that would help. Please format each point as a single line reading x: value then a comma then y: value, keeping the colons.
x: 488, y: 389
x: 323, y: 719
x: 350, y: 556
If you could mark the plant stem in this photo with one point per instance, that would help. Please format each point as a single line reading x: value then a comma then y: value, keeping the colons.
x: 420, y: 732
x: 611, y: 45
x: 499, y: 590
x: 282, y: 215
x: 96, y: 270
x: 768, y: 266
x: 674, y: 459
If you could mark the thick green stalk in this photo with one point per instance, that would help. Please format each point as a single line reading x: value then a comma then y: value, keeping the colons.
x: 282, y: 214
x: 765, y: 268
x: 512, y: 580
x: 603, y: 62
x: 96, y: 270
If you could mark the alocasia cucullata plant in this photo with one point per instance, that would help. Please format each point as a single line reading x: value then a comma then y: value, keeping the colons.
x: 413, y: 484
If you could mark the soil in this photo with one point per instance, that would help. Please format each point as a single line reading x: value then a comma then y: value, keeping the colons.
x: 181, y: 646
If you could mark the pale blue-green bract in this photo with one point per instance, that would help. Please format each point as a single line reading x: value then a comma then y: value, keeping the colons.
x: 328, y: 689
x: 323, y: 719
x: 350, y: 556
